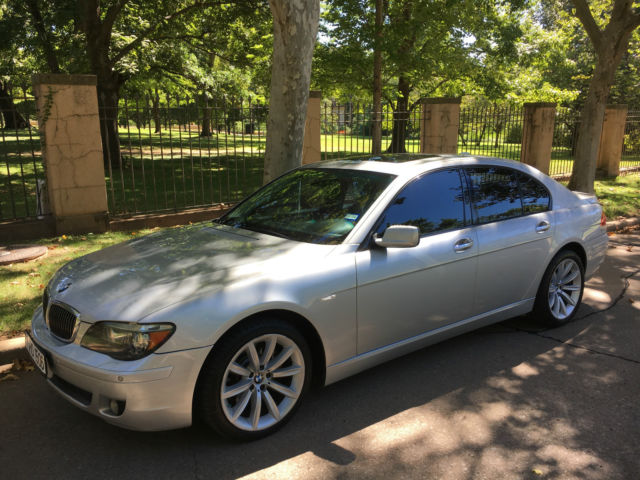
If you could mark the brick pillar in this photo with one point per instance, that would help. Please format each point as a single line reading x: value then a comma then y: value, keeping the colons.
x: 611, y: 141
x: 439, y: 125
x: 311, y: 145
x: 537, y: 135
x: 72, y: 151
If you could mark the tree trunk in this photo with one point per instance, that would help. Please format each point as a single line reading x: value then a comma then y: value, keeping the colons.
x: 13, y: 120
x: 400, y: 118
x: 108, y: 96
x: 206, y: 117
x: 43, y: 36
x: 591, y: 121
x: 610, y: 45
x: 295, y: 26
x: 376, y: 130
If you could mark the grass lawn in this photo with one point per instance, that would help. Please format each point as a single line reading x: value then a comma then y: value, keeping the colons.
x: 619, y: 196
x: 21, y: 284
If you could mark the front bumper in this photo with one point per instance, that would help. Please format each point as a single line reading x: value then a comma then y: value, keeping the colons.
x: 156, y: 391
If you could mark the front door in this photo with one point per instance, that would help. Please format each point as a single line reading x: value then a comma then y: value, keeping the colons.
x: 403, y: 292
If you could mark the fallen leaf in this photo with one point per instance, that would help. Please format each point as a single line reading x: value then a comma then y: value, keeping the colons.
x: 7, y: 377
x: 133, y: 234
x: 536, y: 471
x: 631, y: 300
x: 14, y: 283
x: 611, y: 234
x: 34, y: 274
x: 83, y: 238
x: 22, y: 365
x: 52, y: 247
x: 41, y: 286
x: 629, y: 248
x: 64, y: 237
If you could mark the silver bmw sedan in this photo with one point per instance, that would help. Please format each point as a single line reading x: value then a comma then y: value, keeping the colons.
x: 326, y: 271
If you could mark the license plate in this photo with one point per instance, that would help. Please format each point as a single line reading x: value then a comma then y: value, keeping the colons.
x: 36, y: 355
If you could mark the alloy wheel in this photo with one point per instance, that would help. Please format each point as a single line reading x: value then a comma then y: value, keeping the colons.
x: 565, y: 288
x: 262, y: 382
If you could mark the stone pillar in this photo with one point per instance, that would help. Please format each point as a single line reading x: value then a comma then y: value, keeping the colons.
x: 72, y: 151
x: 611, y: 141
x: 439, y: 125
x: 537, y: 135
x: 311, y: 145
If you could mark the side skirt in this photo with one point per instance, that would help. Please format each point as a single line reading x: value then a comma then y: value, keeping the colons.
x: 369, y: 359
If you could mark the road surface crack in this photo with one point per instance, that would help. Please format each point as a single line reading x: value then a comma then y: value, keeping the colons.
x: 541, y: 333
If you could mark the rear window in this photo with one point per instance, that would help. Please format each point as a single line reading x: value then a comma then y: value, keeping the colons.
x: 499, y: 193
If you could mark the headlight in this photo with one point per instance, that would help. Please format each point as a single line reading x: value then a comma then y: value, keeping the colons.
x: 126, y: 341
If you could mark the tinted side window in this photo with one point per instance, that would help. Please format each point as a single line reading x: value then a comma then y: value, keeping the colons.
x: 432, y: 203
x: 494, y: 193
x: 535, y: 197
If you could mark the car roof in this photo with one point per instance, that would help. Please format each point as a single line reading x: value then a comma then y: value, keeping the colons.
x: 411, y: 164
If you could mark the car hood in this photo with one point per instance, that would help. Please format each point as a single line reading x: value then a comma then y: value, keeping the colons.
x: 133, y: 279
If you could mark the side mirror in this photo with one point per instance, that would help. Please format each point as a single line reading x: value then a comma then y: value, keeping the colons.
x: 399, y: 236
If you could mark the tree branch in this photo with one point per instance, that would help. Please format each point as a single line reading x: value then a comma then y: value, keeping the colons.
x: 110, y: 17
x: 164, y: 22
x: 43, y: 35
x: 586, y: 18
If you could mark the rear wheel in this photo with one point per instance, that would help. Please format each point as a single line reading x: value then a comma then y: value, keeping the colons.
x: 560, y: 292
x: 255, y: 379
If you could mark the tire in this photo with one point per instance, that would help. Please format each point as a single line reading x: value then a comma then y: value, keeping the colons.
x: 560, y: 292
x: 254, y: 379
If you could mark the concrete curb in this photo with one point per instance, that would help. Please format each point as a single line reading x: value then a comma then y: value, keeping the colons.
x: 12, y: 349
x: 616, y: 225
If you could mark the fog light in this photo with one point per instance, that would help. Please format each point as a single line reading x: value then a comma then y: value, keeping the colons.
x: 116, y: 407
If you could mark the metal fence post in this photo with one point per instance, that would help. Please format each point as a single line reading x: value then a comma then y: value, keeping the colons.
x: 439, y: 125
x: 72, y: 151
x: 611, y: 141
x: 537, y: 135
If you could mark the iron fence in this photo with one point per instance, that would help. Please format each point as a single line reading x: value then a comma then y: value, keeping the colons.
x: 630, y: 162
x: 346, y: 129
x: 565, y: 136
x: 182, y: 152
x: 491, y: 131
x: 22, y: 171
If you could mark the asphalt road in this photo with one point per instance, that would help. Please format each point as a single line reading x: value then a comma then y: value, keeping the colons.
x: 508, y: 401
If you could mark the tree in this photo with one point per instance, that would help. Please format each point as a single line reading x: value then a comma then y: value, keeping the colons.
x: 427, y: 47
x: 610, y: 44
x: 295, y: 27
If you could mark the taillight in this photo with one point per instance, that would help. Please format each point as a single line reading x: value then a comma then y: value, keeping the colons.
x: 603, y: 219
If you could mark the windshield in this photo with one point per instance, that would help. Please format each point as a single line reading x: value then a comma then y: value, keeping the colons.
x: 314, y: 205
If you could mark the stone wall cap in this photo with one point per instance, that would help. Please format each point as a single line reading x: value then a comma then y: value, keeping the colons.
x: 618, y: 107
x: 444, y: 100
x: 541, y: 104
x: 315, y: 94
x: 63, y: 79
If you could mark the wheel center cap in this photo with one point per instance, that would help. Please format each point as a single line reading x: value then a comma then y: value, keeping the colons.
x: 257, y: 378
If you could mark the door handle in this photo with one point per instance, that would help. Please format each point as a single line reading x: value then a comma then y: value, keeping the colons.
x: 462, y: 245
x: 543, y: 226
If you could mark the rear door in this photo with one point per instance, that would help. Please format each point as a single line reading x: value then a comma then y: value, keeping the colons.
x: 403, y: 292
x: 514, y: 232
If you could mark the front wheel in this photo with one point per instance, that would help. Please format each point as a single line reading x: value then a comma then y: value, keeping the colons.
x: 561, y: 289
x: 255, y: 379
